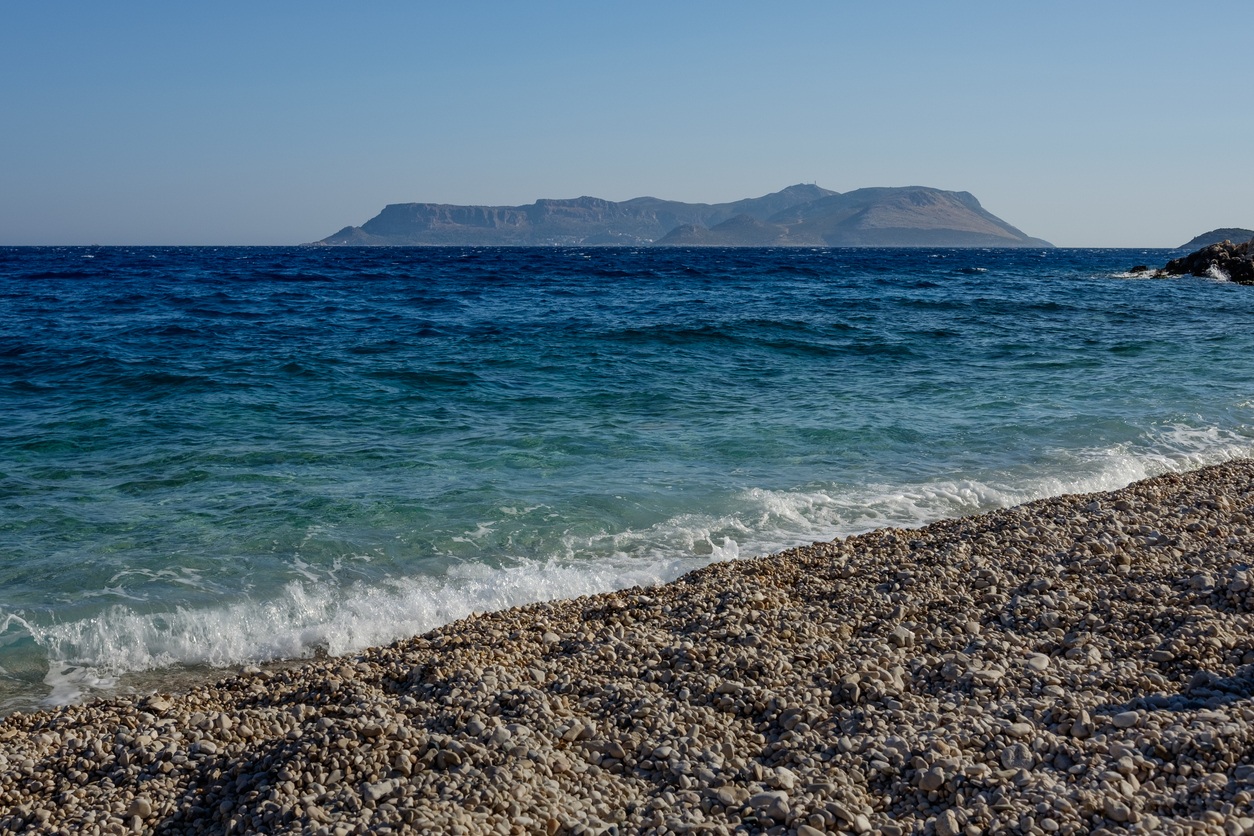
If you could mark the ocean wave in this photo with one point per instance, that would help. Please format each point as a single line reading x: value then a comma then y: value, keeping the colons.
x: 315, y: 614
x: 308, y: 617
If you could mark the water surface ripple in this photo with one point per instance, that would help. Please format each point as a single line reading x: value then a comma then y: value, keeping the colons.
x: 217, y: 456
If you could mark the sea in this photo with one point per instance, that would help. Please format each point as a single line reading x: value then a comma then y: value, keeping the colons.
x: 216, y: 457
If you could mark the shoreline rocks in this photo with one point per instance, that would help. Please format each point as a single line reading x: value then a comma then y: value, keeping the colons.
x: 1079, y: 664
x: 1235, y: 261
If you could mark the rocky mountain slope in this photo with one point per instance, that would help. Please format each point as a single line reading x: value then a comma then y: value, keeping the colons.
x: 800, y: 215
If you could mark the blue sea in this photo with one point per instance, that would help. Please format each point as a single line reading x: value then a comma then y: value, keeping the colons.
x: 217, y: 457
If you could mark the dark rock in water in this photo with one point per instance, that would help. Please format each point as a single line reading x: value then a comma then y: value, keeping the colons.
x: 1217, y: 236
x: 1235, y: 261
x: 1140, y: 268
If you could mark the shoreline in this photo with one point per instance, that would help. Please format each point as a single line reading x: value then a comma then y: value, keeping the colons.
x: 1073, y: 664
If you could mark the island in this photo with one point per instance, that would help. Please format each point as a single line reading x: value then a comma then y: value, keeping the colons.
x: 804, y: 215
x: 1218, y: 236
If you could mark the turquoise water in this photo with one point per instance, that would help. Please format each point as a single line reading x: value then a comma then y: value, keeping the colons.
x: 211, y: 457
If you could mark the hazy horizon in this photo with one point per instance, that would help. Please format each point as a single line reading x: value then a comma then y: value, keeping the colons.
x: 1087, y: 126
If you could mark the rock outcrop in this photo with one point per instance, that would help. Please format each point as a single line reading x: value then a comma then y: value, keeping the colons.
x: 1232, y: 261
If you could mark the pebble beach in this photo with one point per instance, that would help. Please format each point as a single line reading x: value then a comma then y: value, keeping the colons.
x: 1079, y: 664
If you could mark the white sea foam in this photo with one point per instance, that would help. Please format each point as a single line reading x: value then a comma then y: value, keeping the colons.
x: 825, y: 515
x: 304, y: 617
x: 312, y: 614
x: 1218, y: 274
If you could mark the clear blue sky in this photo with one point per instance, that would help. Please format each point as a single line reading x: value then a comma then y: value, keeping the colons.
x: 1085, y: 123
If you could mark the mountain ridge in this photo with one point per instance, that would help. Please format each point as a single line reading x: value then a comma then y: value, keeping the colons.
x: 799, y: 215
x: 1235, y: 234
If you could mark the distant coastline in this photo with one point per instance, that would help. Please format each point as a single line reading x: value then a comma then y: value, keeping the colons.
x: 799, y: 216
x: 1235, y: 234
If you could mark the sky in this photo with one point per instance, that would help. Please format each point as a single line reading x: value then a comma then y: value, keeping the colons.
x: 1084, y: 123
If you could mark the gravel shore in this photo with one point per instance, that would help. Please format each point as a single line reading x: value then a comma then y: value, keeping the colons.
x: 1076, y: 664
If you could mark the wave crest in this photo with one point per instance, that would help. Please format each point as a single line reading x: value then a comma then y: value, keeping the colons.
x: 309, y: 616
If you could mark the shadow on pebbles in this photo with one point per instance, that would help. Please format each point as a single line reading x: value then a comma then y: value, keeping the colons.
x: 1076, y: 664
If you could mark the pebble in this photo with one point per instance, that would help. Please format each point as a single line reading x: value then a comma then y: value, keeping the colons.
x: 1017, y: 756
x: 766, y: 799
x: 933, y: 779
x: 1115, y: 809
x: 1073, y: 664
x: 947, y: 824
